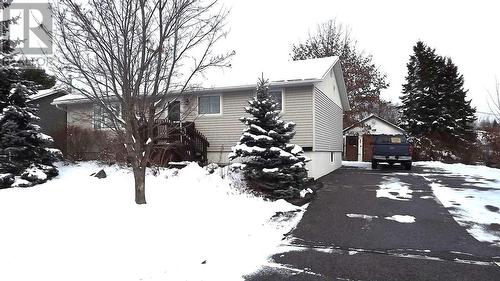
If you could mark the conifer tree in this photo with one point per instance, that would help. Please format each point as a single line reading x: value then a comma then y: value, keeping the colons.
x: 271, y: 163
x: 434, y: 105
x: 25, y: 158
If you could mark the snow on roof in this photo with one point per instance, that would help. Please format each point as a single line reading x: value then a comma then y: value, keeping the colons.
x: 45, y: 93
x: 243, y: 75
x: 240, y: 74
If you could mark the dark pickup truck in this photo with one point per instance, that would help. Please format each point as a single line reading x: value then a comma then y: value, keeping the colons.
x: 392, y: 149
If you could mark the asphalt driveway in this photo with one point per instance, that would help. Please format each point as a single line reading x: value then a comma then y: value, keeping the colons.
x: 345, y: 234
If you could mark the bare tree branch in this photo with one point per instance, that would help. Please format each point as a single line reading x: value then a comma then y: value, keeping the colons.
x: 132, y: 58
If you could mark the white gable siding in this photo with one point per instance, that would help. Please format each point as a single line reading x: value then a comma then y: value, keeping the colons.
x: 329, y: 86
x: 327, y: 123
x: 377, y: 127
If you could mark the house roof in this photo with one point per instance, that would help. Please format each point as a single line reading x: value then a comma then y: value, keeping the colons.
x: 244, y: 76
x: 377, y: 117
x: 45, y: 93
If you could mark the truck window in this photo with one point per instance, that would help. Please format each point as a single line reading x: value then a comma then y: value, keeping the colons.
x: 395, y: 140
x: 385, y: 139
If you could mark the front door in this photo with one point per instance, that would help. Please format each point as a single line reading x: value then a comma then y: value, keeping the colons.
x: 174, y: 111
x: 351, y: 148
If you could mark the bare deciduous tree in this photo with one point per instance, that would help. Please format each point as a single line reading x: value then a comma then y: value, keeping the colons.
x: 132, y: 57
x: 363, y: 78
x: 495, y: 102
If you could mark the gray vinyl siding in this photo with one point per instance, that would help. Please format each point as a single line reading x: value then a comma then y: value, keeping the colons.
x: 327, y: 123
x: 299, y: 109
x: 52, y: 120
x: 224, y: 130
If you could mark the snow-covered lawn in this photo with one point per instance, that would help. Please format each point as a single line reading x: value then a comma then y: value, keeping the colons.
x: 195, y: 226
x: 475, y: 207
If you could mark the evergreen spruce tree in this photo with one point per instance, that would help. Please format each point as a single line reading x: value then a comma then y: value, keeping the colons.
x: 271, y: 163
x: 434, y: 106
x: 25, y: 158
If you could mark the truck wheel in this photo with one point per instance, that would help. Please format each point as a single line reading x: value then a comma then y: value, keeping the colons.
x: 374, y: 165
x: 407, y: 166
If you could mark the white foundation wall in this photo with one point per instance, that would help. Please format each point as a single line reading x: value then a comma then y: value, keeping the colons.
x: 319, y: 165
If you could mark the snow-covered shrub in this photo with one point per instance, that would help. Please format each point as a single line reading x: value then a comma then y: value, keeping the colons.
x: 211, y: 167
x: 6, y: 180
x: 271, y: 164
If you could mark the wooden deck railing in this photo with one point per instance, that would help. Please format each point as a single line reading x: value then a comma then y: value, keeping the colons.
x: 191, y: 144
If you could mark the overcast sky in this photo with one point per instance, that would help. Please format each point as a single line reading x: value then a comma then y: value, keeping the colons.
x: 466, y: 31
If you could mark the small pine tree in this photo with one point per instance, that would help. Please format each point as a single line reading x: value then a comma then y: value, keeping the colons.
x: 434, y: 105
x: 271, y: 163
x: 25, y: 158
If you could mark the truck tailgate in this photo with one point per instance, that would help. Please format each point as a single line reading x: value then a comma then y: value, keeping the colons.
x: 391, y: 149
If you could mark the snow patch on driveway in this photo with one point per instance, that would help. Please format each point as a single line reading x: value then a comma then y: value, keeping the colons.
x: 394, y: 189
x: 361, y: 216
x: 401, y: 218
x: 356, y: 164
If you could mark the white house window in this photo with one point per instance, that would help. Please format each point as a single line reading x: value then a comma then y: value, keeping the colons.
x: 209, y: 105
x: 277, y: 96
x: 102, y: 119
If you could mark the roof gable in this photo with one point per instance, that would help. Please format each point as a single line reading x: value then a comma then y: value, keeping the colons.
x: 373, y: 116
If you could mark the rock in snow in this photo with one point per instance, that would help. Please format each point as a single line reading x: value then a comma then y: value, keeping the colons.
x: 100, y: 175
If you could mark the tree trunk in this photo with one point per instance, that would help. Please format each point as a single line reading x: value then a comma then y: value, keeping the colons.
x: 140, y: 190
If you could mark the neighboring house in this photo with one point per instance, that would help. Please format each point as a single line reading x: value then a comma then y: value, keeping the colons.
x: 311, y: 93
x: 358, y: 137
x: 52, y: 119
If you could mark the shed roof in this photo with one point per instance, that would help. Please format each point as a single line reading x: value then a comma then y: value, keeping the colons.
x: 376, y: 117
